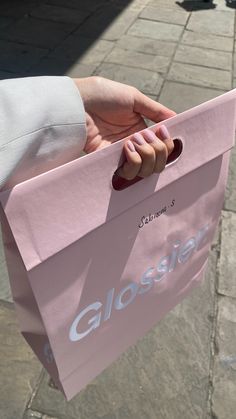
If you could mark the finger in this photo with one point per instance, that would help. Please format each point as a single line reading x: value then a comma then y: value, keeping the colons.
x: 160, y: 149
x: 163, y: 133
x: 147, y: 153
x: 131, y: 167
x: 151, y: 109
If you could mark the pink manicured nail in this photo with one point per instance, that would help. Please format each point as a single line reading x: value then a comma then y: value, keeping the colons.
x: 164, y: 132
x: 150, y: 137
x: 130, y: 146
x: 138, y: 139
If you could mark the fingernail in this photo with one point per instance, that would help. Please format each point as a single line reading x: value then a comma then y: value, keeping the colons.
x: 130, y: 146
x: 163, y: 131
x: 150, y: 136
x: 138, y: 138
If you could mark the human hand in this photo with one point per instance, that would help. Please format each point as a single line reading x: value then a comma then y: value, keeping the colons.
x: 115, y: 111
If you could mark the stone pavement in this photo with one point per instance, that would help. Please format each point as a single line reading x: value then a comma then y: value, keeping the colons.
x: 180, y: 54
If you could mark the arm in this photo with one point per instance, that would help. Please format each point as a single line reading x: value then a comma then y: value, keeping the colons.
x: 42, y: 125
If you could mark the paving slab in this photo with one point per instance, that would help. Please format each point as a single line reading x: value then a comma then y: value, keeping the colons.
x: 19, y: 57
x: 180, y: 97
x: 7, y: 75
x: 134, y: 4
x: 59, y: 14
x: 109, y: 23
x: 5, y: 290
x: 137, y: 5
x: 20, y: 370
x: 84, y: 49
x: 90, y: 5
x: 156, y: 30
x: 227, y: 261
x: 145, y: 80
x: 201, y: 76
x: 166, y: 3
x: 166, y: 372
x: 166, y: 14
x: 128, y: 58
x: 52, y: 66
x: 5, y: 21
x: 234, y: 61
x: 202, y: 56
x: 224, y: 373
x: 210, y: 41
x: 147, y: 45
x: 38, y: 32
x: 81, y: 70
x: 202, y: 22
x: 17, y: 9
x: 230, y: 196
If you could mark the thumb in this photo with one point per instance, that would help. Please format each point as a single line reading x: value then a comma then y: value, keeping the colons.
x: 151, y: 109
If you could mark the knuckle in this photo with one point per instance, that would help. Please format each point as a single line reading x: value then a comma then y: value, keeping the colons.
x: 149, y: 152
x: 135, y: 162
x: 134, y: 90
x: 129, y: 170
x: 162, y: 147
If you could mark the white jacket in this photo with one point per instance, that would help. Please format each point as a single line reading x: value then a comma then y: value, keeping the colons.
x: 42, y: 125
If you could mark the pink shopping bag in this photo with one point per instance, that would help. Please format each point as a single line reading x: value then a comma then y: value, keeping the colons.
x: 94, y: 263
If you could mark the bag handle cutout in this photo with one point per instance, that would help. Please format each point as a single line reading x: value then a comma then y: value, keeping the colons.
x: 119, y: 183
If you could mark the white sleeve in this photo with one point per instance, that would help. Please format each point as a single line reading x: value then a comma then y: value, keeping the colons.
x: 42, y: 125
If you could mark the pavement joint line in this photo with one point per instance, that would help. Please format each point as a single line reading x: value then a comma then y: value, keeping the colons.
x: 199, y: 85
x: 221, y: 295
x: 20, y: 43
x: 35, y: 390
x: 161, y: 21
x: 202, y: 65
x: 213, y: 342
x: 140, y: 52
x: 54, y: 48
x: 30, y: 45
x: 45, y: 19
x: 209, y: 33
x: 76, y: 8
x: 50, y: 20
x: 130, y: 66
x: 109, y: 52
x: 207, y: 48
x: 230, y: 210
x: 6, y: 303
x: 174, y: 53
x: 33, y: 413
x: 131, y: 23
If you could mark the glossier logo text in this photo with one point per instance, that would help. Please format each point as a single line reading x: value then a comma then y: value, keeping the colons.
x: 101, y: 311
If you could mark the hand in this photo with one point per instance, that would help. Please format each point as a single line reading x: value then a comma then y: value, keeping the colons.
x: 115, y: 111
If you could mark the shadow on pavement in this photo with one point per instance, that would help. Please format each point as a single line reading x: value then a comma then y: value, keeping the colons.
x: 231, y: 3
x: 43, y: 37
x: 192, y: 6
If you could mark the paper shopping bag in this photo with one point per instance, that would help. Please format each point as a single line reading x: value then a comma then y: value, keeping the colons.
x: 94, y: 263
